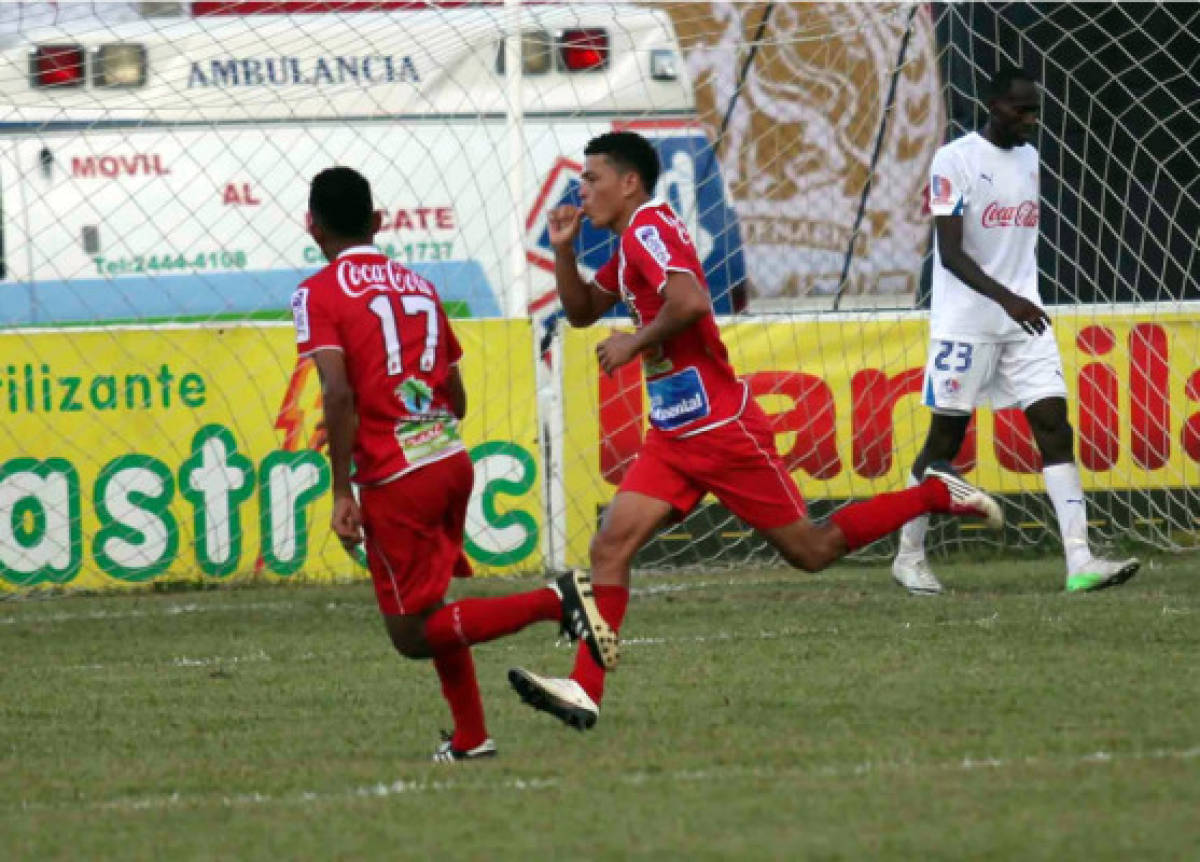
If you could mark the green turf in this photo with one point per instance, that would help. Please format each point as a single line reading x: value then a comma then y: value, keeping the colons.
x: 756, y: 715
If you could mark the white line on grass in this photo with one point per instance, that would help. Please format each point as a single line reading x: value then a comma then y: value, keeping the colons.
x: 190, y: 608
x: 261, y: 655
x: 420, y: 786
x: 285, y: 605
x: 172, y: 610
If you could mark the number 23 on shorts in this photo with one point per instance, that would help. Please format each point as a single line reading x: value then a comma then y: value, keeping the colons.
x: 959, y: 353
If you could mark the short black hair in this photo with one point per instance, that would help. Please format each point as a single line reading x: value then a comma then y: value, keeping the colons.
x: 628, y: 151
x: 340, y: 200
x: 1002, y: 81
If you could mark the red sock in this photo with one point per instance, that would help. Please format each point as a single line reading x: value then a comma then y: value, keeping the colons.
x: 456, y: 669
x: 476, y: 621
x: 611, y: 602
x: 863, y: 523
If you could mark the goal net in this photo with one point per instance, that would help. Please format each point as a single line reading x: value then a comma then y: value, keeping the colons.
x: 154, y: 164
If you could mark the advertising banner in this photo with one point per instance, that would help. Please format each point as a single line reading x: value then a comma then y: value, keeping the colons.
x: 197, y: 453
x: 845, y: 399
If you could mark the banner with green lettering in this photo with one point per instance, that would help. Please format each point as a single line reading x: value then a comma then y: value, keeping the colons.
x: 197, y: 453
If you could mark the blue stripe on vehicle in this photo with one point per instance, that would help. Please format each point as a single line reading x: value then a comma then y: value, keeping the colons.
x: 197, y: 294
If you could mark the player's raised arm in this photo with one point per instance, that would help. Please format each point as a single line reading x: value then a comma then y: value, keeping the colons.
x: 582, y: 302
x: 1030, y: 315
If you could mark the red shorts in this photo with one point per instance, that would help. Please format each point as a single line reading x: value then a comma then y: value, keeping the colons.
x: 736, y: 462
x: 413, y: 528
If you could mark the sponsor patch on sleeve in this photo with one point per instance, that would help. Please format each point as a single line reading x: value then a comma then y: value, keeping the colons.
x: 941, y: 191
x: 648, y: 236
x: 300, y: 315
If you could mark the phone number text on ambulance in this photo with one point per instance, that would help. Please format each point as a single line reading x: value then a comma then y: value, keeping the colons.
x: 408, y: 252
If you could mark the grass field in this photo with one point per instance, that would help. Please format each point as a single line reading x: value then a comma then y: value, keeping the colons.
x: 757, y: 714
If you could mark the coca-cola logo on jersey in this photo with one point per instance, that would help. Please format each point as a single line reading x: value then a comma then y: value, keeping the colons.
x: 1024, y: 214
x: 355, y: 279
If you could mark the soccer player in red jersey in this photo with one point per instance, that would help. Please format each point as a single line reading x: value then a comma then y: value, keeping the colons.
x: 707, y: 434
x: 393, y: 397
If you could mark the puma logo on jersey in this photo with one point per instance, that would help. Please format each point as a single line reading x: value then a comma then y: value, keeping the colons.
x: 985, y: 177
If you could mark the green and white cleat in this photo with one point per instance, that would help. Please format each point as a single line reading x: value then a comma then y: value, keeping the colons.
x: 1102, y: 574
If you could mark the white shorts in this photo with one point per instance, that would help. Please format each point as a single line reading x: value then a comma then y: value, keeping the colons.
x: 963, y: 375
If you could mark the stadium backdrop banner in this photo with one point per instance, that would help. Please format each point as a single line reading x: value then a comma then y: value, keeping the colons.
x: 184, y: 453
x: 845, y: 400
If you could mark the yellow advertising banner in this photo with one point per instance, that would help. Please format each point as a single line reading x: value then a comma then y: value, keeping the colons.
x: 844, y: 396
x: 130, y: 455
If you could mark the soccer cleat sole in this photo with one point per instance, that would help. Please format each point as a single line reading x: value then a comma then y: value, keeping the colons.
x: 606, y: 646
x: 1117, y: 578
x: 534, y: 695
x: 916, y: 591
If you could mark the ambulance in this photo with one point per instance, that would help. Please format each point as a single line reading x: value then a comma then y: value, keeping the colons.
x: 157, y: 168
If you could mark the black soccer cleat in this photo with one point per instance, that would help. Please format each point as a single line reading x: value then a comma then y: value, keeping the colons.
x: 447, y: 753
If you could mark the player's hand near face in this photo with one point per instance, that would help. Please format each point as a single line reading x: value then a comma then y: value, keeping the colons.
x: 1030, y: 315
x: 564, y: 222
x: 616, y: 350
x: 347, y: 521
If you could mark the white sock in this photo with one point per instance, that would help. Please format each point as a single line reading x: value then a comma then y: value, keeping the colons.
x: 1066, y: 492
x: 912, y: 534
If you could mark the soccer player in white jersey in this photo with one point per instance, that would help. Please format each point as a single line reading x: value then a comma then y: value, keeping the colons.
x: 991, y: 339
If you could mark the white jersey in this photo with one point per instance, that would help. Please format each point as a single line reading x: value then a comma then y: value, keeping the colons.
x: 996, y: 193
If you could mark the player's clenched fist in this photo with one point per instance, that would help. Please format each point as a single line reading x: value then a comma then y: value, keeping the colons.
x: 564, y: 224
x: 347, y: 521
x: 618, y: 349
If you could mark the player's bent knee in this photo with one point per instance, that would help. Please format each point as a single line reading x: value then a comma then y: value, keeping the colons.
x: 819, y: 549
x: 805, y: 561
x: 798, y: 555
x: 408, y: 636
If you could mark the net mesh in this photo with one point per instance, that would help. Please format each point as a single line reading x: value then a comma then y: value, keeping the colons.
x: 153, y: 231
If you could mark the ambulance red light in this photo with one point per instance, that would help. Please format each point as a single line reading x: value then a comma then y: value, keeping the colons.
x: 584, y: 50
x: 57, y: 66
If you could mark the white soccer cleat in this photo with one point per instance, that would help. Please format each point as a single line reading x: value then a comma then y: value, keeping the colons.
x: 564, y: 699
x: 965, y: 498
x: 914, y: 574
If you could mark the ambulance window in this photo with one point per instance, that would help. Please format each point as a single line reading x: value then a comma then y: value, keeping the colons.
x: 3, y: 267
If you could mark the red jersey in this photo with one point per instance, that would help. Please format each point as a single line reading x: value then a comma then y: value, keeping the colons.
x: 691, y: 384
x: 399, y: 348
